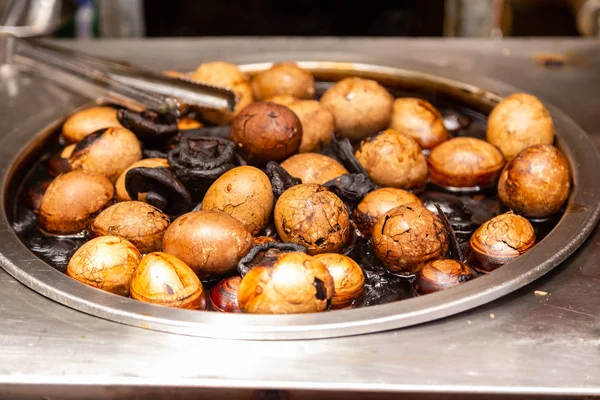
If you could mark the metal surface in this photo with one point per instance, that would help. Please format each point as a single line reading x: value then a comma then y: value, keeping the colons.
x: 29, y: 18
x: 521, y: 343
x: 580, y: 218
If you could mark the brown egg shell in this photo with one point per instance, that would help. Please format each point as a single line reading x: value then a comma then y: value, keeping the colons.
x: 107, y: 263
x: 165, y: 280
x: 84, y: 122
x: 536, y: 183
x: 499, y: 241
x: 290, y: 283
x: 108, y: 152
x: 465, y: 162
x: 72, y: 200
x: 138, y: 222
x: 224, y: 295
x: 318, y: 124
x: 121, y: 190
x: 266, y: 131
x: 245, y: 193
x: 35, y: 194
x: 59, y: 162
x: 360, y: 107
x: 377, y: 203
x: 184, y: 124
x: 420, y: 120
x: 393, y: 160
x: 313, y: 217
x: 211, y: 243
x: 439, y: 275
x: 284, y: 78
x: 407, y: 237
x: 313, y: 168
x: 226, y: 75
x: 348, y: 279
x: 518, y: 122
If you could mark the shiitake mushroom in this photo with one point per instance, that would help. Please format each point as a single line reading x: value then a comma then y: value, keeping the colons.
x: 289, y: 283
x: 107, y: 151
x: 165, y: 280
x: 348, y: 279
x: 536, y: 182
x: 393, y: 159
x: 440, y: 275
x: 107, y: 263
x: 84, y: 122
x: 224, y: 295
x: 140, y: 223
x: 409, y: 236
x: 72, y: 200
x: 498, y: 241
x: 420, y: 120
x: 211, y: 243
x: 285, y: 78
x: 120, y: 188
x: 59, y: 162
x: 313, y: 217
x: 266, y: 131
x: 223, y: 74
x: 378, y: 202
x: 465, y: 162
x: 517, y: 122
x: 313, y: 168
x: 360, y: 107
x: 245, y: 193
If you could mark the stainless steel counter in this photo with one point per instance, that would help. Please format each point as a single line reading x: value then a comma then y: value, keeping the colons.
x: 521, y: 344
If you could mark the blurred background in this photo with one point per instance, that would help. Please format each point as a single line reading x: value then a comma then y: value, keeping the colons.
x: 429, y: 18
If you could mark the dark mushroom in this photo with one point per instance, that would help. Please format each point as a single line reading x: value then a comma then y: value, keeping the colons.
x: 161, y: 187
x: 281, y: 180
x: 351, y: 188
x: 199, y: 160
x: 148, y: 125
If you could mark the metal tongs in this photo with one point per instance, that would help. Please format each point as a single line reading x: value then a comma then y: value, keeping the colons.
x: 121, y: 80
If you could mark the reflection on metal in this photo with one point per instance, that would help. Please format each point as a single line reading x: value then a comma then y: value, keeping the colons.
x: 29, y: 18
x: 571, y: 231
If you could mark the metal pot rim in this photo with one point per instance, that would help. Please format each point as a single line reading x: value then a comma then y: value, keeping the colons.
x: 578, y: 221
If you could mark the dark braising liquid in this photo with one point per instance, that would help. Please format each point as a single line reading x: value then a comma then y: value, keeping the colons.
x: 465, y: 211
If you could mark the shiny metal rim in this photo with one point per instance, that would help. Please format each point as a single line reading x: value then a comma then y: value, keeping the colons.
x: 581, y: 217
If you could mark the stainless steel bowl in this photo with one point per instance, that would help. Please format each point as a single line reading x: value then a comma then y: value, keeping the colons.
x: 579, y: 219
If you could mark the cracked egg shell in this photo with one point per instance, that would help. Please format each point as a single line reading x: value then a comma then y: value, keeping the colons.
x: 266, y: 131
x: 108, y: 151
x: 420, y: 120
x: 517, y: 122
x: 440, y: 275
x: 360, y: 107
x: 245, y: 193
x: 285, y: 78
x: 498, y: 241
x: 409, y: 236
x: 289, y: 283
x: 313, y: 168
x: 140, y: 223
x: 393, y: 159
x: 121, y: 190
x: 226, y: 75
x: 536, y: 182
x: 84, y: 122
x: 72, y: 199
x: 313, y: 217
x: 317, y: 122
x: 165, y: 280
x: 465, y: 162
x: 378, y: 202
x: 348, y: 279
x: 107, y: 263
x: 211, y: 243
